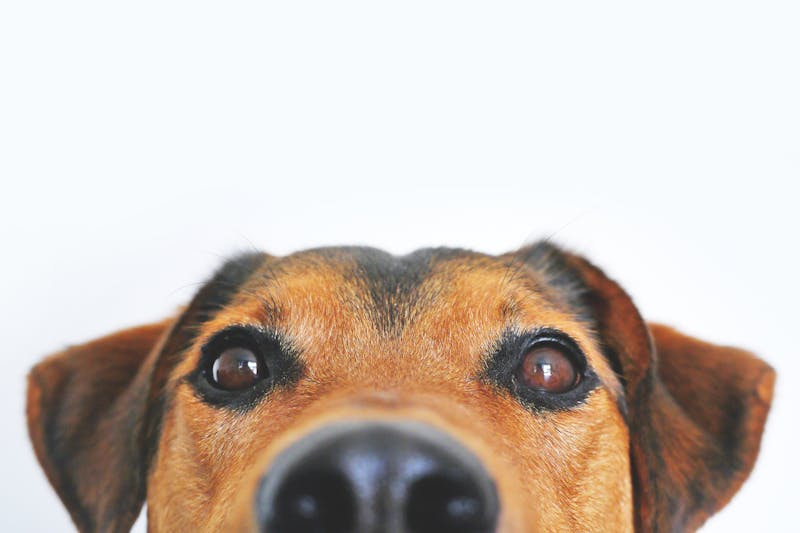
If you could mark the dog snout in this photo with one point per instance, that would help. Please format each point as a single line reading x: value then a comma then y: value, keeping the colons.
x: 376, y: 477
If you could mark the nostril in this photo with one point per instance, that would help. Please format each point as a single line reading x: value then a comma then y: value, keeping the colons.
x: 314, y: 501
x: 448, y: 503
x: 376, y: 477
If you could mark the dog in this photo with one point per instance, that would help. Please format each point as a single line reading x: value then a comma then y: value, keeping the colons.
x: 348, y: 390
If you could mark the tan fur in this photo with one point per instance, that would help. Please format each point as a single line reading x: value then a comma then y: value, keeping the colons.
x: 555, y: 471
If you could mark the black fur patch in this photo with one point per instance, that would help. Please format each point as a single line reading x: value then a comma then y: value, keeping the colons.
x: 215, y: 294
x: 392, y: 282
x: 549, y: 261
x: 568, y: 286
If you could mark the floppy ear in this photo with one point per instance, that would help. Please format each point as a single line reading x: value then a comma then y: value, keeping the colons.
x: 709, y: 408
x: 86, y: 408
x: 696, y: 411
x: 94, y: 410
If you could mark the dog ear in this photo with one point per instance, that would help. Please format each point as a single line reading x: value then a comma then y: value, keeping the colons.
x: 712, y: 402
x: 696, y: 411
x: 85, y: 411
x: 94, y: 410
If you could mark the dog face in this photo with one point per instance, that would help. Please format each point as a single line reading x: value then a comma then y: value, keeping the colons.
x: 345, y: 389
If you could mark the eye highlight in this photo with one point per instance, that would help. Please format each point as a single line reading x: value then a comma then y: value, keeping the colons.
x: 545, y: 367
x: 237, y: 368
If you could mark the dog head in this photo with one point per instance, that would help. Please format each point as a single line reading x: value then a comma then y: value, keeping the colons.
x: 345, y: 389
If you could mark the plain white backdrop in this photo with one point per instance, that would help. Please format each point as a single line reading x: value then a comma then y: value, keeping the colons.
x: 141, y: 142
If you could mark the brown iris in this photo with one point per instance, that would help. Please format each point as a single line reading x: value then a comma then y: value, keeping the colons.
x: 237, y: 368
x: 545, y: 367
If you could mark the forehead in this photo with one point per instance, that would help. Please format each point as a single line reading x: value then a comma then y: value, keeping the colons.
x: 360, y: 309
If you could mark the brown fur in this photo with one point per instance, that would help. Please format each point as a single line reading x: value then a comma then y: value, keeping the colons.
x: 659, y: 447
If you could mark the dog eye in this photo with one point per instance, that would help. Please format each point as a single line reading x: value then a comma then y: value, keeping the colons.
x: 547, y: 367
x: 237, y: 368
x: 241, y: 364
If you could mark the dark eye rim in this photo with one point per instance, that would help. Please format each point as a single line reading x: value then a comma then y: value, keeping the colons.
x: 505, y: 361
x: 280, y: 367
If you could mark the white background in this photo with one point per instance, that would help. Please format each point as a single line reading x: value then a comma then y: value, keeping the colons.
x: 141, y: 142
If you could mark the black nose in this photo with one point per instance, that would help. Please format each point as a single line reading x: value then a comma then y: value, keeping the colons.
x: 367, y: 477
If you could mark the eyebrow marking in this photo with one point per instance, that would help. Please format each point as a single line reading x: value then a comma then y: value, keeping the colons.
x: 392, y: 284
